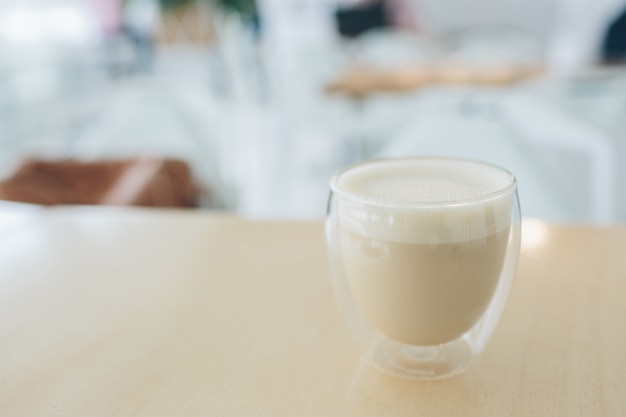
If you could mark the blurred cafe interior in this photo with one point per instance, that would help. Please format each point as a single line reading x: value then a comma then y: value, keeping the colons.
x: 164, y: 178
x: 249, y: 106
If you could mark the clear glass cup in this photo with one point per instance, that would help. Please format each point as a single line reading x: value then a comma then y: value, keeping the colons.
x: 423, y: 252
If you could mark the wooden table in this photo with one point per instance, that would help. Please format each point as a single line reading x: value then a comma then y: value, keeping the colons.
x: 161, y: 313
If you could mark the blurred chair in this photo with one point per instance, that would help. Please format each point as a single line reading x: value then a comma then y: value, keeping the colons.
x: 594, y: 177
x: 141, y: 182
x: 453, y: 124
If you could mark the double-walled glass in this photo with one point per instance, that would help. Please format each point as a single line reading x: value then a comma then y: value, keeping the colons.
x: 423, y: 252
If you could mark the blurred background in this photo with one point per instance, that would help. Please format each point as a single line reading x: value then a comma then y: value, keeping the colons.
x: 249, y: 106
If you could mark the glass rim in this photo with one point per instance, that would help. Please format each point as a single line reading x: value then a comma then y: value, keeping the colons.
x: 507, y: 189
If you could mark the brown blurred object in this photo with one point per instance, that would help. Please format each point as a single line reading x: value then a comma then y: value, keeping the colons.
x: 192, y: 23
x: 140, y: 182
x: 363, y: 81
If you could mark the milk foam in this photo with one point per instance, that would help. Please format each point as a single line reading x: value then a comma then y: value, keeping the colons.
x: 424, y: 200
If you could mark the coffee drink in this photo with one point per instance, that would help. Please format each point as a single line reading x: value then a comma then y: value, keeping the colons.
x: 423, y: 244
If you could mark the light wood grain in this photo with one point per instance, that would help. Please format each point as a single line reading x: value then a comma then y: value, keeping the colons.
x: 155, y: 313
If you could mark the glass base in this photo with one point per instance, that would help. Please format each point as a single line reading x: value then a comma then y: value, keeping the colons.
x: 422, y: 362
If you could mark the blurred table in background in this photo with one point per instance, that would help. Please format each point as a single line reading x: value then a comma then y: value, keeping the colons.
x: 562, y: 136
x: 359, y: 82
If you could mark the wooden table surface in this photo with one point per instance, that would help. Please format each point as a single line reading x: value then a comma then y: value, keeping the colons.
x: 160, y: 313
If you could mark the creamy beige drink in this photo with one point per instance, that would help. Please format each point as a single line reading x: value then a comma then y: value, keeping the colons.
x: 424, y: 248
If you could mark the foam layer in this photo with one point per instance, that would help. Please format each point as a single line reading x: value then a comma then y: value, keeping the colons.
x: 427, y: 180
x: 424, y: 200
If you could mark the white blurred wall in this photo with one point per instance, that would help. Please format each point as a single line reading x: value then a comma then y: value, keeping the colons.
x: 441, y: 16
x: 572, y: 30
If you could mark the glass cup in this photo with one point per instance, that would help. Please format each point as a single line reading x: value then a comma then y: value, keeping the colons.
x: 422, y: 253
